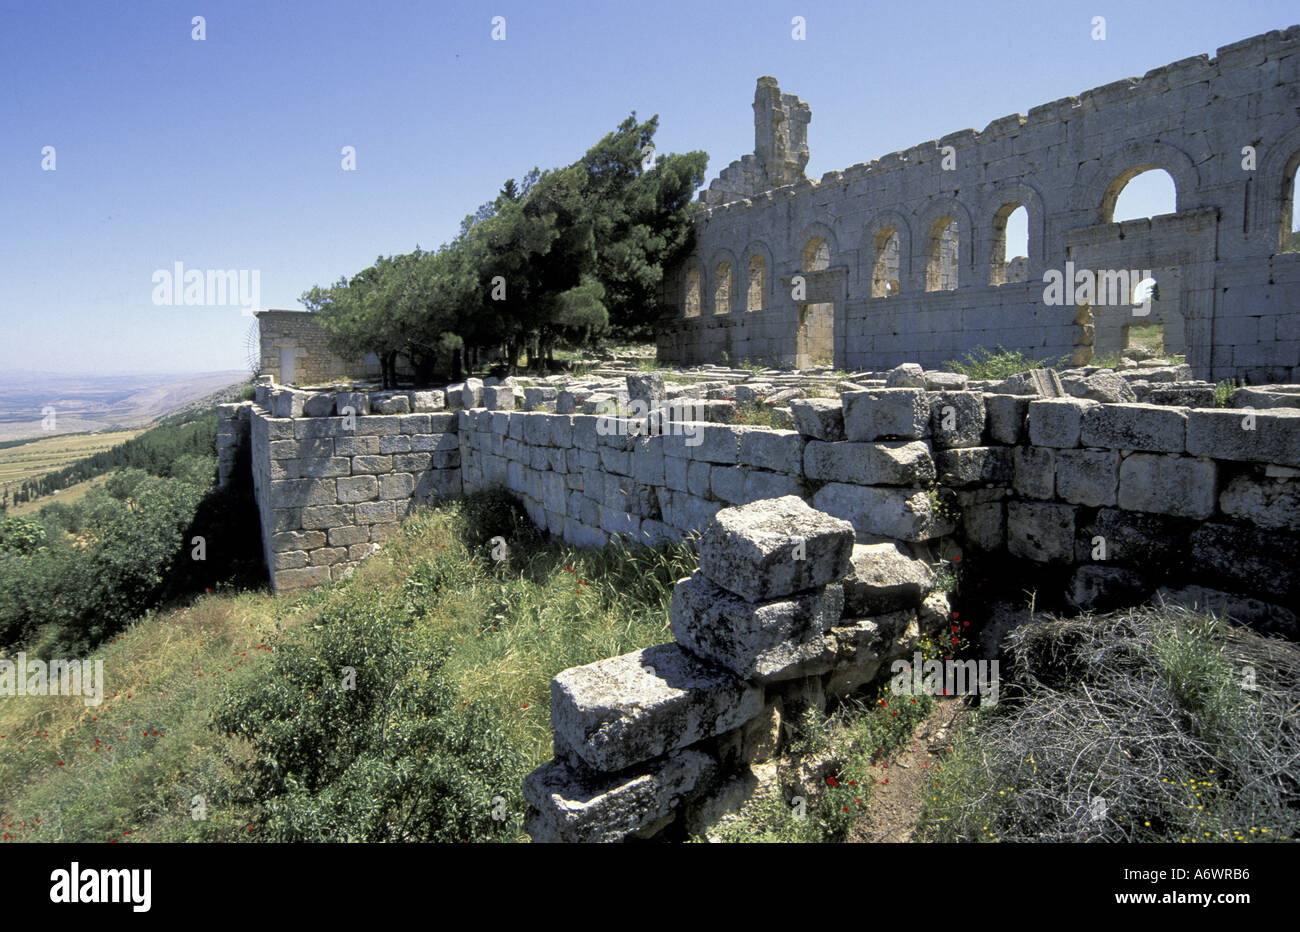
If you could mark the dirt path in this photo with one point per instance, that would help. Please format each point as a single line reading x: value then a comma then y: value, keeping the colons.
x: 893, y: 807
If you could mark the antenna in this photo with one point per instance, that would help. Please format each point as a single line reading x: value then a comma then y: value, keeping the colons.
x: 253, y: 348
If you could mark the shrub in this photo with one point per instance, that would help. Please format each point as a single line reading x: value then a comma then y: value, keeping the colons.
x: 1152, y: 725
x: 983, y: 363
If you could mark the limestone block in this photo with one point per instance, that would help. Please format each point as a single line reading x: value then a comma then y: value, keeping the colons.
x: 1166, y: 484
x: 884, y: 463
x: 760, y: 485
x: 540, y: 397
x: 287, y: 403
x: 1145, y: 427
x: 1035, y: 471
x: 776, y: 450
x: 727, y: 483
x: 773, y: 548
x: 1271, y: 436
x: 354, y: 403
x: 498, y: 397
x: 428, y: 401
x: 768, y: 641
x: 587, y: 806
x: 297, y: 540
x: 718, y: 443
x: 1104, y: 387
x: 1250, y: 560
x: 318, y: 404
x: 974, y: 465
x: 1263, y: 616
x: 390, y: 404
x: 907, y: 375
x: 1057, y: 422
x: 903, y: 514
x: 1264, y: 502
x: 939, y: 381
x: 621, y: 711
x: 884, y: 577
x: 1087, y: 477
x: 295, y: 493
x: 820, y: 418
x: 348, y: 536
x: 398, y: 485
x: 1005, y: 417
x: 646, y: 388
x: 1041, y: 532
x: 956, y: 419
x: 323, y: 517
x: 357, y: 489
x: 886, y: 414
x: 1042, y: 382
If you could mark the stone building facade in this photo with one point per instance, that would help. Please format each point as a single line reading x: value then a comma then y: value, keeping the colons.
x: 902, y: 259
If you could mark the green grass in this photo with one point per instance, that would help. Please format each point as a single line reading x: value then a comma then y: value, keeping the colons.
x: 502, y: 629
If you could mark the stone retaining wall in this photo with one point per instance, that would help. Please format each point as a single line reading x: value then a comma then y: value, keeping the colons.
x: 1113, y: 489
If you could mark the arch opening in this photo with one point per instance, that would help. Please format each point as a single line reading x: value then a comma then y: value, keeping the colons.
x: 1140, y: 193
x: 941, y: 255
x: 757, y: 284
x: 692, y: 292
x: 1010, y: 253
x: 884, y: 268
x: 722, y: 290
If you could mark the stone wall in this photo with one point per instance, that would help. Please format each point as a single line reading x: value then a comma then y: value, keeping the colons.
x: 1235, y: 296
x: 1214, y: 493
x: 298, y: 332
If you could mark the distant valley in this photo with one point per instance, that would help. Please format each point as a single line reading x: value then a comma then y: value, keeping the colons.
x: 97, y: 402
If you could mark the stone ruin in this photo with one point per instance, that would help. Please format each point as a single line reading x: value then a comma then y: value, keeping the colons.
x: 902, y: 259
x: 784, y: 609
x: 1065, y: 479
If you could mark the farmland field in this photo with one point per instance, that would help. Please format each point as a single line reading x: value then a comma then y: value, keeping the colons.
x: 34, y: 459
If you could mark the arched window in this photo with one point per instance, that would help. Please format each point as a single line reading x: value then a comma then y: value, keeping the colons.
x: 757, y: 284
x: 816, y: 255
x: 722, y: 291
x: 693, y: 292
x: 941, y: 256
x: 1010, y: 253
x: 1139, y: 193
x: 884, y: 267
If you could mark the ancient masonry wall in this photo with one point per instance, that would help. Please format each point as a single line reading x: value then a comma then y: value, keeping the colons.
x: 1228, y: 292
x: 1037, y: 478
x: 817, y: 545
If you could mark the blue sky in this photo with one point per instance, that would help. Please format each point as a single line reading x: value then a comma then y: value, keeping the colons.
x: 226, y: 153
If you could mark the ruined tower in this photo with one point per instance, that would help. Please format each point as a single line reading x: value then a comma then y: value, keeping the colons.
x: 780, y: 148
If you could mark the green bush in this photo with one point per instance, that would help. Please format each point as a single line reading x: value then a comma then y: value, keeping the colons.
x: 390, y: 757
x: 983, y: 363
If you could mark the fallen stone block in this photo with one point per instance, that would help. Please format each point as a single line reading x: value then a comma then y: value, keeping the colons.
x: 907, y: 375
x: 774, y: 547
x: 619, y: 712
x: 767, y: 642
x: 575, y: 805
x: 885, y: 578
x: 1260, y: 615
